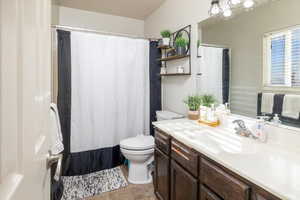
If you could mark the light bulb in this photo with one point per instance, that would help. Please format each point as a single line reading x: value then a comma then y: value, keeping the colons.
x: 248, y: 3
x: 235, y: 2
x: 227, y: 13
x: 215, y: 9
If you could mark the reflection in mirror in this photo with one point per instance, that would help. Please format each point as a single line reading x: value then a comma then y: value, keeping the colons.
x: 264, y: 51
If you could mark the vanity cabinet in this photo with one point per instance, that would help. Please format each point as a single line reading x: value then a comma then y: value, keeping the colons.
x: 181, y: 173
x: 183, y: 185
x: 162, y: 166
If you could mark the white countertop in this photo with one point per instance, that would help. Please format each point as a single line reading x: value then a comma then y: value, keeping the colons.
x: 274, y: 166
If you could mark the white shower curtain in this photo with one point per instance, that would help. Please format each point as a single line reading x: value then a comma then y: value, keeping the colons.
x: 211, y: 80
x: 110, y: 90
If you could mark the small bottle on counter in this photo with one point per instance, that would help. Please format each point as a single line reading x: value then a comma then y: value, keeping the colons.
x: 260, y: 130
x: 211, y: 114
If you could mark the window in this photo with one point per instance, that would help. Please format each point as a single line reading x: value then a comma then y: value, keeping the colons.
x: 282, y: 59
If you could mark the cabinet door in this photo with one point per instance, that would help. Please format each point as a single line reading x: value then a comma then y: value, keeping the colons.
x: 206, y: 194
x: 183, y: 185
x: 162, y: 175
x: 262, y: 195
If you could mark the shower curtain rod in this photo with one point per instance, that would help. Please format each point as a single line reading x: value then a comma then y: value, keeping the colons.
x: 69, y: 28
x: 213, y: 45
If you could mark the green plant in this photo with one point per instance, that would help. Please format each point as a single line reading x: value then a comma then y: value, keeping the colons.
x: 207, y: 100
x: 193, y: 102
x: 181, y: 42
x: 198, y: 43
x: 165, y: 33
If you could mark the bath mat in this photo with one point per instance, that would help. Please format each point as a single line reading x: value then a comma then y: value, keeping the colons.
x: 80, y: 187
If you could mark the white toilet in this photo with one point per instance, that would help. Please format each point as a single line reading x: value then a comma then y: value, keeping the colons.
x: 139, y: 151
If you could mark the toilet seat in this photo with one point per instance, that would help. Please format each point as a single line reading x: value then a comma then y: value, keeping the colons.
x: 138, y: 143
x: 137, y: 152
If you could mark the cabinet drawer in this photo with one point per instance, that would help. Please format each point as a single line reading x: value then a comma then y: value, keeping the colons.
x: 206, y: 194
x: 162, y: 141
x: 223, y: 184
x: 185, y: 156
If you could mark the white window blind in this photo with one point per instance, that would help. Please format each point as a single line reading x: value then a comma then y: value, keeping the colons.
x: 282, y: 52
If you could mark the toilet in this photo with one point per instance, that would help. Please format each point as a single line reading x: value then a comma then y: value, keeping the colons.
x: 139, y: 151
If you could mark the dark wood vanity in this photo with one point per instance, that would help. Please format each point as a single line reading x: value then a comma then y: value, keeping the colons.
x: 181, y: 173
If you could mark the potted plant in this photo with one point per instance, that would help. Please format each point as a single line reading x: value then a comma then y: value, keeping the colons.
x: 207, y: 100
x: 193, y: 102
x: 165, y: 34
x: 180, y: 44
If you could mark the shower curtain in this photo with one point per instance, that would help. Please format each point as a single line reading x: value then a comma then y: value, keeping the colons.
x: 211, y: 80
x: 109, y: 99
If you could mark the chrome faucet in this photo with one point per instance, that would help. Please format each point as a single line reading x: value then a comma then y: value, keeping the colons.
x: 242, y: 129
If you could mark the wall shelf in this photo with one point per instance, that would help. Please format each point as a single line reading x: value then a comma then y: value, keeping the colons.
x: 164, y: 47
x: 168, y: 49
x: 176, y: 57
x: 176, y: 74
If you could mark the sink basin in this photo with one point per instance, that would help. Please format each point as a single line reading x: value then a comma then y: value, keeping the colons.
x: 223, y: 141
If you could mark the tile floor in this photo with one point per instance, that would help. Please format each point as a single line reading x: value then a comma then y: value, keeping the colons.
x: 131, y: 192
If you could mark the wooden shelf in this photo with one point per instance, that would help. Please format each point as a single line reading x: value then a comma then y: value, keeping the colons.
x: 176, y: 74
x: 164, y: 47
x: 176, y: 57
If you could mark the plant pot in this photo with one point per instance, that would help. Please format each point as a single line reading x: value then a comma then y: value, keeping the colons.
x: 193, y: 115
x: 166, y: 41
x: 181, y: 51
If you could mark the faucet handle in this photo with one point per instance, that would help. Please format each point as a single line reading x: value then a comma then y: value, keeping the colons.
x: 240, y: 123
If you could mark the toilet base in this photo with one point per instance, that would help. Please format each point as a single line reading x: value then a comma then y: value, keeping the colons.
x: 139, y: 173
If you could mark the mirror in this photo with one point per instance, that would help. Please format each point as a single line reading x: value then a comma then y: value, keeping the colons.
x: 263, y: 46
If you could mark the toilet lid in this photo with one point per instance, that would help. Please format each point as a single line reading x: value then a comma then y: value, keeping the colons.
x: 138, y: 143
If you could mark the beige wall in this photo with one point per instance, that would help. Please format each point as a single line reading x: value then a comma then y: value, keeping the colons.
x: 174, y: 14
x: 244, y: 35
x: 101, y: 22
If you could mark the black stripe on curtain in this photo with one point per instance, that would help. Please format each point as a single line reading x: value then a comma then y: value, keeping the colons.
x: 63, y: 105
x: 226, y: 75
x: 82, y: 162
x: 92, y: 161
x: 64, y: 90
x: 155, y: 82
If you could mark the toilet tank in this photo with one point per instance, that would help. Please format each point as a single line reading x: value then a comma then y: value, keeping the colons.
x: 167, y: 115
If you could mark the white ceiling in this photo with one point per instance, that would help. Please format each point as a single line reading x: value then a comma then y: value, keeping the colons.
x: 138, y: 9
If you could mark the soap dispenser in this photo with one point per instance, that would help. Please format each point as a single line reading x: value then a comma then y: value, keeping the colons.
x: 260, y: 129
x: 276, y: 120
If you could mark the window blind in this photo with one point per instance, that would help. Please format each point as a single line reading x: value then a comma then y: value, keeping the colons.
x: 284, y: 58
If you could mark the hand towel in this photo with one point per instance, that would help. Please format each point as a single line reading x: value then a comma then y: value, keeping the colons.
x: 291, y: 106
x: 55, y: 131
x: 267, y: 103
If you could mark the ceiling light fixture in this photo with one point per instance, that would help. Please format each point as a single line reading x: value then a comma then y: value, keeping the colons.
x: 248, y: 3
x: 234, y: 2
x: 227, y: 13
x: 215, y: 7
x: 225, y: 6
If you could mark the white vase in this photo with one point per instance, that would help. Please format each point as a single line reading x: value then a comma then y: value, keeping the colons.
x: 166, y: 41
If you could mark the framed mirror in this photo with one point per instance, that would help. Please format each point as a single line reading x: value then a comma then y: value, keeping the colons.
x: 264, y: 63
